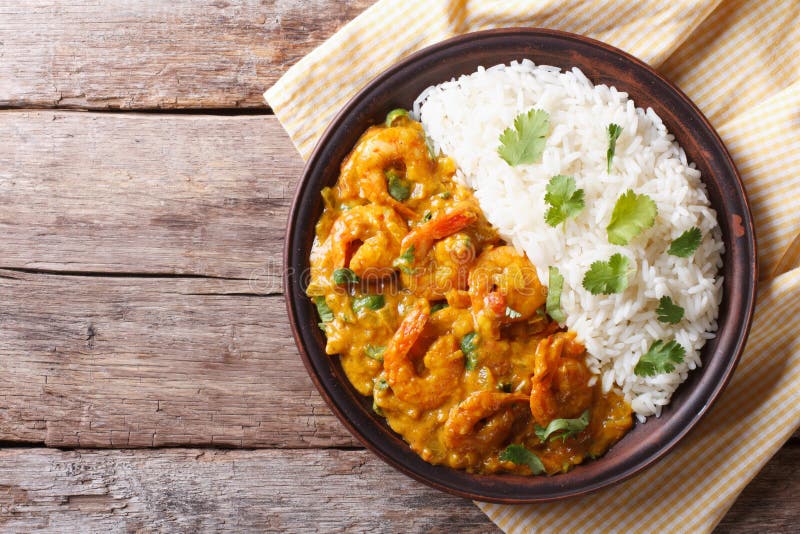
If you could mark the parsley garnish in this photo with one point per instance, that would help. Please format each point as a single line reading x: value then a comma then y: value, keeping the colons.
x: 613, y: 134
x: 524, y: 143
x: 553, y: 303
x: 376, y: 353
x: 511, y: 313
x: 685, y: 245
x: 399, y: 188
x: 469, y: 346
x: 668, y: 311
x: 660, y: 358
x: 607, y: 277
x: 371, y: 302
x: 570, y: 428
x: 632, y: 214
x: 344, y: 276
x: 405, y: 260
x: 564, y: 198
x: 519, y: 455
x: 439, y: 306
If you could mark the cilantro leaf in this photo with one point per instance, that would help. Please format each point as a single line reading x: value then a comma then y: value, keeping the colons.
x: 524, y: 143
x: 607, y: 277
x: 469, y: 346
x: 376, y: 353
x: 519, y: 455
x: 399, y: 188
x: 370, y: 302
x: 632, y: 214
x: 614, y: 130
x: 564, y: 198
x: 325, y: 312
x: 344, y: 276
x: 570, y: 427
x: 660, y: 358
x: 553, y: 303
x: 685, y: 245
x: 668, y: 311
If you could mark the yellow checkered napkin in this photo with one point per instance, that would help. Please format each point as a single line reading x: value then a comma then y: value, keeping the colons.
x: 739, y: 60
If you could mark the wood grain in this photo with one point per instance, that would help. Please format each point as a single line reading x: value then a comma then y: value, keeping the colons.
x: 91, y: 361
x: 152, y: 54
x: 145, y: 193
x: 203, y: 490
x: 194, y: 490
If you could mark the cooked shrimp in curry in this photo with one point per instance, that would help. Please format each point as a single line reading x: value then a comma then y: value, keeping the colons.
x: 442, y: 323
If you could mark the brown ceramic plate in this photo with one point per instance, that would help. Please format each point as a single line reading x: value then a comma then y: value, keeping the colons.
x: 603, y: 64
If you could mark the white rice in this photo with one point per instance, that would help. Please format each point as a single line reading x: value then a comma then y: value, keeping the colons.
x: 465, y: 117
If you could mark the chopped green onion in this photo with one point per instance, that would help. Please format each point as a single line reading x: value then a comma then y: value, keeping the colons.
x: 469, y: 346
x: 325, y: 312
x: 344, y: 276
x: 371, y: 302
x: 376, y: 353
x: 394, y: 115
x: 439, y: 306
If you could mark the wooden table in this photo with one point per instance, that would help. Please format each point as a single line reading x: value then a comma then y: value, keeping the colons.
x: 149, y: 379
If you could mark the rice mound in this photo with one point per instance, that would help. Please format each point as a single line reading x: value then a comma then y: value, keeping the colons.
x: 465, y: 117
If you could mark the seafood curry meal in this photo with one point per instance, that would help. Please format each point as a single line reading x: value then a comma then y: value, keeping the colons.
x: 443, y: 324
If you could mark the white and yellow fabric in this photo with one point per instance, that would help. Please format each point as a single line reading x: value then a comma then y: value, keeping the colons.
x: 739, y: 60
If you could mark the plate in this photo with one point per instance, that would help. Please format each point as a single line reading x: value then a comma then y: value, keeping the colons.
x: 602, y: 64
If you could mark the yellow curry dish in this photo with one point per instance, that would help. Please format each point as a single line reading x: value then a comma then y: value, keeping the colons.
x: 444, y: 324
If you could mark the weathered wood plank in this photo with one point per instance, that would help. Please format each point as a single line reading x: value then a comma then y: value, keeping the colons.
x: 99, y: 192
x: 193, y: 490
x: 285, y: 490
x: 154, y: 54
x: 769, y: 502
x: 141, y: 362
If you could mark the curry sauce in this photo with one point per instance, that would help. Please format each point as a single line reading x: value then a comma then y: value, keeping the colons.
x: 443, y: 324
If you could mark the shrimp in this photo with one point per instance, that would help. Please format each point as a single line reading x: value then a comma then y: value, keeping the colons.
x: 378, y: 150
x: 503, y: 285
x: 463, y: 419
x: 432, y: 276
x: 443, y: 360
x: 560, y: 382
x: 379, y: 230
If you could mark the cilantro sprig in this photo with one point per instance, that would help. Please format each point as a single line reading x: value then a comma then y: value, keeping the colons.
x: 607, y: 277
x: 519, y: 455
x: 685, y: 244
x: 553, y: 303
x: 614, y: 130
x: 524, y: 143
x: 669, y: 312
x: 632, y: 214
x: 567, y: 428
x: 564, y: 198
x: 660, y: 358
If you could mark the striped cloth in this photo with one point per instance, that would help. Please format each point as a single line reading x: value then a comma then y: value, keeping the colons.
x: 739, y: 60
